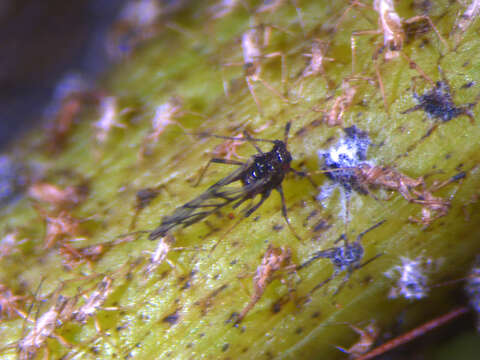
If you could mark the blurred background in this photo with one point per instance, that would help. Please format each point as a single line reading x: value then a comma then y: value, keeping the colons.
x: 41, y: 42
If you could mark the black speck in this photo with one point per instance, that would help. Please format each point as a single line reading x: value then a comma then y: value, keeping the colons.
x: 145, y: 197
x: 321, y: 226
x: 225, y: 347
x: 298, y: 330
x: 171, y: 319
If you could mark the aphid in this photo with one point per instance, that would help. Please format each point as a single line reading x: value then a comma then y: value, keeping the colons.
x: 414, y: 333
x: 135, y: 24
x: 164, y: 116
x: 71, y: 94
x: 438, y: 104
x: 466, y: 19
x: 259, y: 175
x: 472, y: 288
x: 392, y: 26
x: 385, y: 177
x: 341, y: 103
x: 75, y: 256
x: 139, y: 21
x: 433, y: 207
x: 274, y: 260
x: 59, y: 226
x: 10, y: 303
x: 94, y: 302
x: 108, y: 118
x: 56, y: 196
x: 160, y: 254
x: 252, y: 48
x: 412, y: 281
x: 368, y: 336
x: 44, y: 327
x: 316, y: 64
x: 344, y: 258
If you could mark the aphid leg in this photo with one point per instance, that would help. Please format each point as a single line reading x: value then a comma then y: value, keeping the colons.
x: 256, y: 206
x: 285, y: 214
x: 217, y: 161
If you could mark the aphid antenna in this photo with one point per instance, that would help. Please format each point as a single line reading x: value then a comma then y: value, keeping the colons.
x: 203, y: 134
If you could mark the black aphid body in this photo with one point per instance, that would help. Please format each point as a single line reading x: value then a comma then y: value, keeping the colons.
x: 269, y: 167
x: 347, y: 256
x: 438, y: 103
x: 345, y: 156
x: 259, y: 175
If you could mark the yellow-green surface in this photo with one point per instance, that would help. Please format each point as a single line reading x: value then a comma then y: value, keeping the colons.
x: 205, y: 288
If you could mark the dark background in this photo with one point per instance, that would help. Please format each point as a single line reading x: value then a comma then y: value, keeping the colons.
x: 40, y: 41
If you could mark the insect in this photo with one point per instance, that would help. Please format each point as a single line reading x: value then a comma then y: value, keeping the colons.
x: 438, y: 104
x: 160, y: 254
x: 392, y: 26
x: 316, y: 65
x: 10, y: 303
x: 368, y: 336
x: 75, y: 256
x: 252, y: 49
x: 344, y: 258
x: 109, y: 115
x: 55, y: 195
x: 94, y: 302
x: 59, y: 226
x: 71, y: 94
x: 259, y: 175
x: 165, y: 115
x: 465, y: 20
x: 44, y: 327
x: 341, y: 103
x: 274, y: 260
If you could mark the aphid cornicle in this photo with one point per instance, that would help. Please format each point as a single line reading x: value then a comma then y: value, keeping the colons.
x: 259, y: 175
